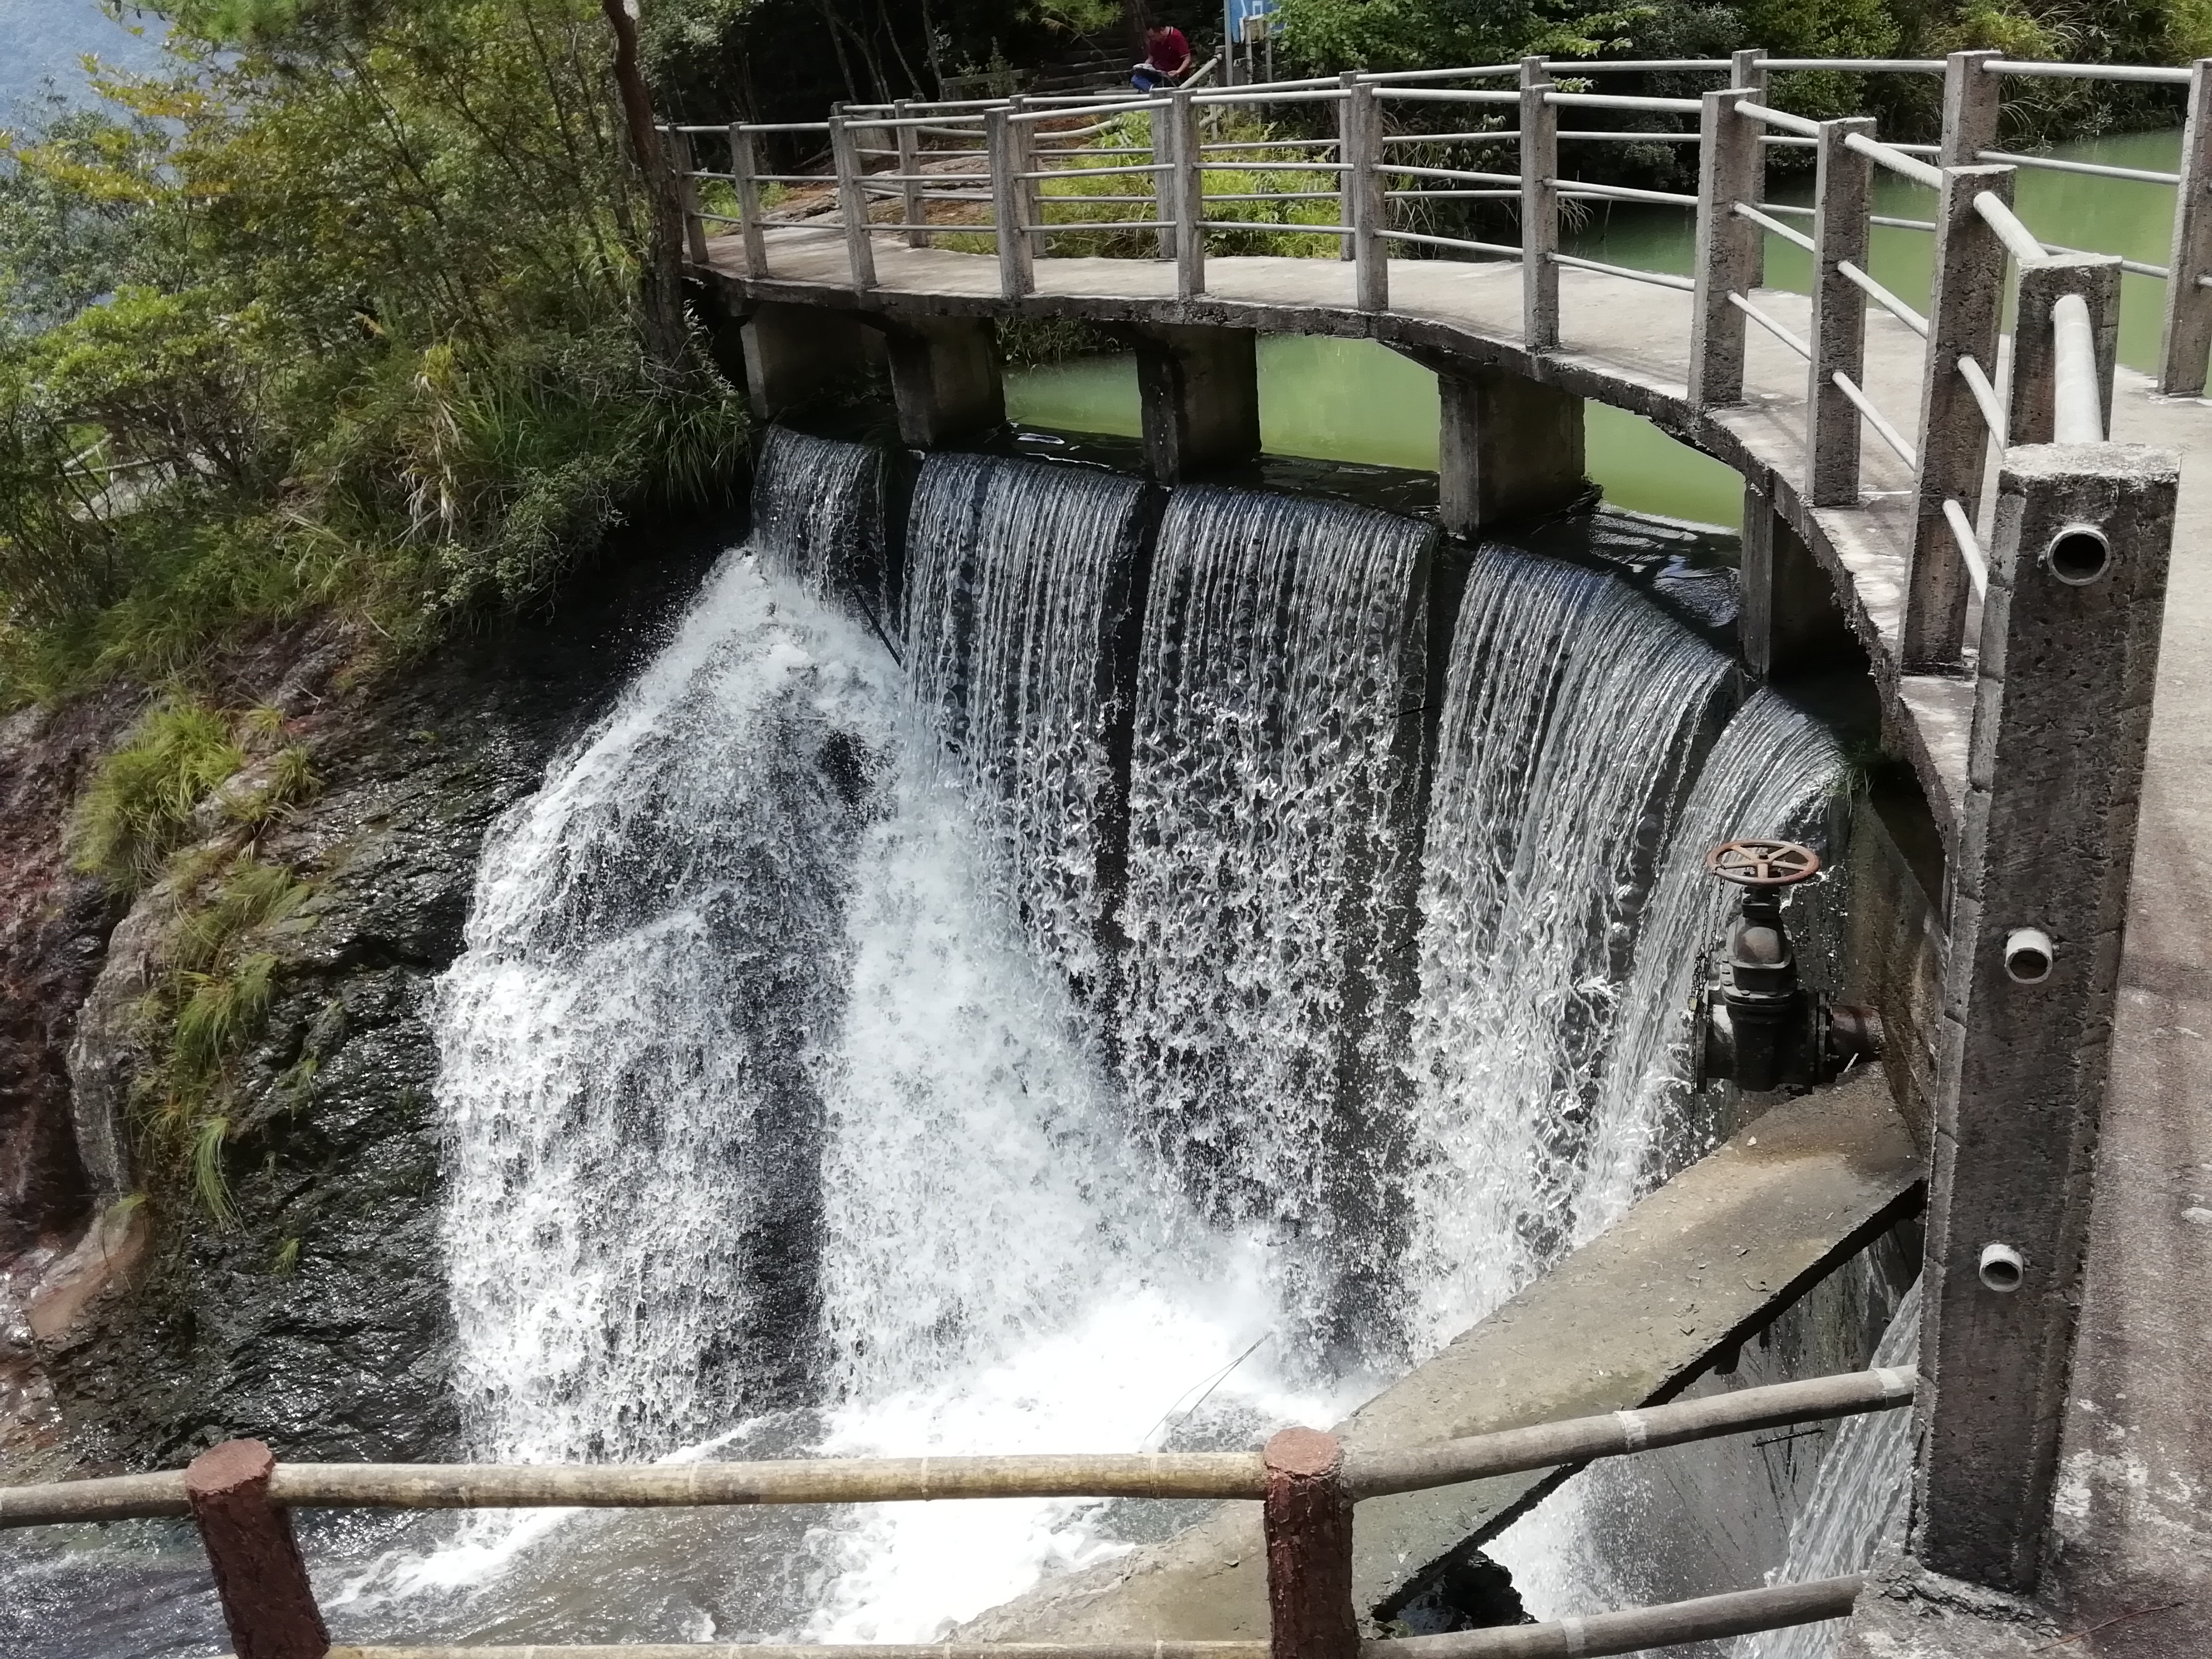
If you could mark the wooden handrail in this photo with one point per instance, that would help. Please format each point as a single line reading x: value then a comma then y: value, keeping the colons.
x: 1218, y: 1476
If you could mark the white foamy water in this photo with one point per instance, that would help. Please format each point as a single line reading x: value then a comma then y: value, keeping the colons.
x: 1859, y: 1498
x: 1773, y: 772
x: 1270, y: 878
x: 794, y: 1107
x: 1571, y: 721
x: 759, y: 1098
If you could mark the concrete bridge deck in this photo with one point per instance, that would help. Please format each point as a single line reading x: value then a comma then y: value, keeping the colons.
x: 2130, y: 1532
x: 1625, y: 344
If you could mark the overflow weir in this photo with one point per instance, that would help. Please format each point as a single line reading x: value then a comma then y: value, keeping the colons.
x: 1027, y: 909
x: 2013, y: 634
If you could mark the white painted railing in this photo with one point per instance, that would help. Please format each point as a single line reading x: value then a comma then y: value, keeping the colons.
x: 1382, y: 169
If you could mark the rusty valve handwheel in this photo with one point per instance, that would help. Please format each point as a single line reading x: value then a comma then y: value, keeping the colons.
x: 1754, y: 863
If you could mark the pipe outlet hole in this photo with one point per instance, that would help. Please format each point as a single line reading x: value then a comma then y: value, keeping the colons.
x: 2028, y: 957
x: 2079, y: 555
x: 2003, y: 1268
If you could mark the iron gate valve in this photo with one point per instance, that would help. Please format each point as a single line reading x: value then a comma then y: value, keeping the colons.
x: 1757, y: 1025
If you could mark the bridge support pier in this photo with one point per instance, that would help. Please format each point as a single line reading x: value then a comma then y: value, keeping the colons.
x: 1198, y: 389
x: 795, y: 355
x: 1509, y: 448
x: 1790, y: 623
x: 944, y: 379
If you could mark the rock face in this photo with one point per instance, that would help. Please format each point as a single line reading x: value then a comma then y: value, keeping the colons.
x: 315, y: 1319
x: 54, y: 924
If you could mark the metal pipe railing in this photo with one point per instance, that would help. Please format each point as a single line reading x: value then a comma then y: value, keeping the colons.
x: 2077, y: 398
x: 1195, y: 181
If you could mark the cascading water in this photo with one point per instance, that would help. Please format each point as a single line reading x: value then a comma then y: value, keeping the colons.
x: 1021, y: 597
x: 655, y: 952
x: 818, y: 508
x: 759, y: 1097
x: 1272, y: 850
x: 1775, y: 772
x: 1859, y: 1496
x: 1574, y: 712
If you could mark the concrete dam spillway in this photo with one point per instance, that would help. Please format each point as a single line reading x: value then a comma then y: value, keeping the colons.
x: 1038, y: 962
x: 1096, y: 1023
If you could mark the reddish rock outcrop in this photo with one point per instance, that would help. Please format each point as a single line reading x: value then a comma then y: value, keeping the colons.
x: 54, y: 924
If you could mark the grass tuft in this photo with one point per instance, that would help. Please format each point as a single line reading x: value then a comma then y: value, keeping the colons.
x: 139, y: 807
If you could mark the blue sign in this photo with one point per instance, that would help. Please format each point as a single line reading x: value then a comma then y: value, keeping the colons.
x: 1249, y: 19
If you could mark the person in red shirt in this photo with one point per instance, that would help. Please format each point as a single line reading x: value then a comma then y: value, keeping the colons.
x: 1167, y: 57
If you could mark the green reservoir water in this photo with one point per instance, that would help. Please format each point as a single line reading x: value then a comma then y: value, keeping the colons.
x: 1353, y: 400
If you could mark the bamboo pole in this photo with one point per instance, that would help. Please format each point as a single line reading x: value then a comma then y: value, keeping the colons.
x: 898, y: 1480
x: 826, y: 1651
x: 111, y: 1497
x: 854, y: 1481
x: 1671, y: 1623
x: 1545, y: 1445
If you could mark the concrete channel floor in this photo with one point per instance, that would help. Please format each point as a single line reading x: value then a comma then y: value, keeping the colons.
x: 1628, y: 1320
x: 2132, y: 1569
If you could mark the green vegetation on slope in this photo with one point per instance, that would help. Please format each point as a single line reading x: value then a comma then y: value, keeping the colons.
x: 341, y: 309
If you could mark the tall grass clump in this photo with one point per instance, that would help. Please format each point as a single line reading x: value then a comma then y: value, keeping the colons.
x: 138, y: 809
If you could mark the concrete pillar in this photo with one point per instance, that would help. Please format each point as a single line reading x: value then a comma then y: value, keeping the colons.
x: 2033, y: 392
x: 1508, y: 448
x: 2038, y: 902
x: 798, y: 354
x: 1727, y: 248
x: 1791, y: 625
x: 1971, y: 97
x: 1199, y: 390
x: 1964, y: 314
x: 944, y: 379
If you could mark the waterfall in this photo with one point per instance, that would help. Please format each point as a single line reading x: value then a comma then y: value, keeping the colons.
x: 654, y: 952
x: 1774, y: 772
x: 1859, y: 1496
x: 759, y: 1095
x: 1574, y: 712
x: 1021, y: 612
x: 818, y: 517
x: 1271, y: 849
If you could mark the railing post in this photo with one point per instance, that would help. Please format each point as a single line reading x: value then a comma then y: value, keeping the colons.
x: 687, y: 193
x: 915, y: 209
x: 1347, y: 118
x: 2038, y: 909
x: 1965, y: 311
x: 1365, y: 207
x: 1728, y: 243
x: 2043, y: 282
x: 744, y: 164
x: 2188, y: 302
x: 1971, y: 98
x: 1032, y: 189
x: 1164, y: 193
x: 1004, y: 138
x: 1748, y: 73
x: 1539, y: 209
x: 852, y: 201
x: 1842, y: 196
x: 1189, y: 177
x: 267, y: 1601
x: 1307, y: 1516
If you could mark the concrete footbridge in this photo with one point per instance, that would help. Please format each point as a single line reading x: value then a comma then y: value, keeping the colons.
x: 2010, y: 521
x: 1975, y: 503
